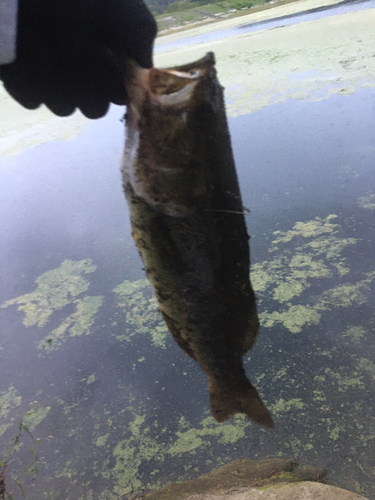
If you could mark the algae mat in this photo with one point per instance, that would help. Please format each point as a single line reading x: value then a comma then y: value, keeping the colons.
x: 96, y: 399
x: 140, y: 436
x: 311, y: 60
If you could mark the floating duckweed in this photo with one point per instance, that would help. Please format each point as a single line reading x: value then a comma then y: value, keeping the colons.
x: 294, y: 318
x: 367, y: 366
x: 334, y: 434
x: 142, y: 312
x: 55, y: 290
x: 283, y: 70
x: 289, y: 275
x: 292, y: 271
x: 76, y: 324
x: 101, y: 440
x: 344, y: 295
x: 367, y: 201
x: 193, y: 438
x: 9, y: 400
x: 345, y: 382
x: 282, y: 406
x: 319, y: 395
x: 89, y: 495
x: 354, y: 333
x: 331, y: 247
x: 136, y: 424
x: 141, y: 446
x: 35, y: 415
x: 130, y: 454
x: 186, y: 442
x: 310, y: 229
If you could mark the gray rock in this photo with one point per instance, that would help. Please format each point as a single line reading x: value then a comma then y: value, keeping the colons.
x: 270, y: 479
x: 296, y: 491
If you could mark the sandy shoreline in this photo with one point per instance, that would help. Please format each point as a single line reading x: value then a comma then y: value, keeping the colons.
x: 311, y: 60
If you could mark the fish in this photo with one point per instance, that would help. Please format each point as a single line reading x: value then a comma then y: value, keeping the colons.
x: 188, y: 224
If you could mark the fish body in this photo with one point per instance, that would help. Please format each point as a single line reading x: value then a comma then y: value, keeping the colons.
x: 187, y: 220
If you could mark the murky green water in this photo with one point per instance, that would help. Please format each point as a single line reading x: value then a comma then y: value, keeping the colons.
x: 97, y: 400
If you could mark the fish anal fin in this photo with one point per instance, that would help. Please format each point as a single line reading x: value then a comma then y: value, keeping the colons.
x: 225, y: 403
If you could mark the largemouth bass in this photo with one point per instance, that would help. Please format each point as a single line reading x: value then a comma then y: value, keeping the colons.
x: 187, y: 221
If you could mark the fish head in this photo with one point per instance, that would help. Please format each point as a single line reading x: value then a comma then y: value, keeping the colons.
x: 164, y: 155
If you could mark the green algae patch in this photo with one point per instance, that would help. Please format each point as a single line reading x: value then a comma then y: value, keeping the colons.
x: 289, y: 275
x: 55, y: 290
x: 294, y: 318
x: 129, y: 455
x: 309, y: 253
x: 9, y: 400
x: 76, y: 324
x: 367, y: 202
x: 296, y: 285
x: 354, y: 333
x: 35, y: 415
x: 101, y: 440
x: 368, y: 366
x: 263, y: 68
x: 141, y: 312
x: 282, y: 406
x: 186, y: 442
x: 191, y: 439
x: 344, y: 381
x: 324, y: 241
x: 315, y: 387
x: 344, y: 295
x: 309, y: 229
x: 147, y: 443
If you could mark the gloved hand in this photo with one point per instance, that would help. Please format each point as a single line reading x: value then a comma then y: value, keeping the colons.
x: 67, y: 53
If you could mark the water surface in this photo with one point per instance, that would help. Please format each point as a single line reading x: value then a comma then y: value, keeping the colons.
x: 86, y: 361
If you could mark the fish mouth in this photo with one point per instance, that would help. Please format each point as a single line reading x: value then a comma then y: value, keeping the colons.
x: 164, y: 155
x: 169, y: 88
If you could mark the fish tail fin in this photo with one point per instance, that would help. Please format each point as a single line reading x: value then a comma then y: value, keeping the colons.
x: 226, y: 402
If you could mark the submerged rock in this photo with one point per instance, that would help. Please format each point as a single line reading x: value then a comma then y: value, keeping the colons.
x: 276, y: 479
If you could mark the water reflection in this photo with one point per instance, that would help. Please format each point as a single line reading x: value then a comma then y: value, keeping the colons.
x: 87, y: 362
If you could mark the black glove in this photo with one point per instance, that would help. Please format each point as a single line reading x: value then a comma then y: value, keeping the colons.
x: 68, y: 50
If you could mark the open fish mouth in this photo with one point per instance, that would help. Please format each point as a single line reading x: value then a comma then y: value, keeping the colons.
x: 187, y: 221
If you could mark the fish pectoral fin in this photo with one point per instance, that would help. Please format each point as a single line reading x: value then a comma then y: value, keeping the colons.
x: 227, y: 402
